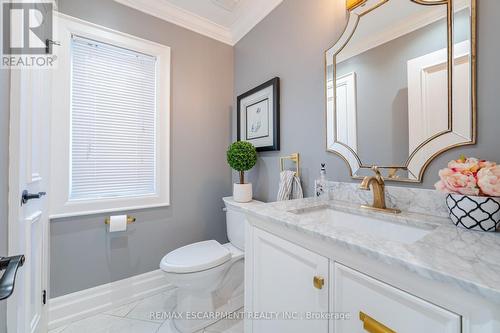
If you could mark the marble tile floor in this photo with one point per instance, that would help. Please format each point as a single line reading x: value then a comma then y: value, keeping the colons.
x: 136, y: 318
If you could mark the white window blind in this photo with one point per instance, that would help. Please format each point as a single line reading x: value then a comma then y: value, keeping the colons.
x: 113, y: 121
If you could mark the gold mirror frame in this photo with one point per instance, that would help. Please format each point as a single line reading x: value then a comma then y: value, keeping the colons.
x: 431, y: 145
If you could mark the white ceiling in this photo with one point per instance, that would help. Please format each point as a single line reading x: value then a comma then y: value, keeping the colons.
x: 224, y: 20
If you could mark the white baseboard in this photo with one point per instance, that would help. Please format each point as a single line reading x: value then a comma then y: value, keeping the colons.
x: 69, y: 308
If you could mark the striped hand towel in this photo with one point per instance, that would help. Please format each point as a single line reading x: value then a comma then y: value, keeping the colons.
x: 289, y: 187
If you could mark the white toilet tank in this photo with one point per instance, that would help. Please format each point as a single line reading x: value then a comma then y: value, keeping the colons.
x: 235, y: 221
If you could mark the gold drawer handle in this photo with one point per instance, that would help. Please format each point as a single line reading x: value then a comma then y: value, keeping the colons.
x: 372, y: 326
x: 318, y: 282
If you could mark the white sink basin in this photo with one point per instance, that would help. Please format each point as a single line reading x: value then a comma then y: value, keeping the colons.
x: 402, y: 233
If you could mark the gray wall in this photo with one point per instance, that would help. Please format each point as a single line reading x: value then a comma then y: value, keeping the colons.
x: 290, y: 43
x: 4, y: 174
x: 83, y: 254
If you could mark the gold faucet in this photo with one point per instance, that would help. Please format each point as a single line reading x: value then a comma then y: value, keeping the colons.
x: 378, y: 186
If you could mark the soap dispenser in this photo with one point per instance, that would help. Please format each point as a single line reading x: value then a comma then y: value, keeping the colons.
x: 320, y: 184
x: 322, y: 173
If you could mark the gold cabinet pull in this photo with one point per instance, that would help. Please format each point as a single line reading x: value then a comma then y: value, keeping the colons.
x: 372, y: 326
x: 318, y: 282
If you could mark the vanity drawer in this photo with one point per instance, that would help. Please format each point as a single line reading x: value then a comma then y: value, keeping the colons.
x: 376, y: 307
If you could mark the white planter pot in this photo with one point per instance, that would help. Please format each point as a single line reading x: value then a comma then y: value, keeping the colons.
x: 474, y: 213
x: 242, y: 192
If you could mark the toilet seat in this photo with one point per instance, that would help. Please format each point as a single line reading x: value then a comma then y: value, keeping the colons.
x: 195, y: 257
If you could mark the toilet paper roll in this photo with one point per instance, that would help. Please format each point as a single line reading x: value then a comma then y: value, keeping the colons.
x: 117, y: 223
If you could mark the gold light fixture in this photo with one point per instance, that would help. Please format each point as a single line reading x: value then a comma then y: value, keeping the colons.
x: 352, y: 4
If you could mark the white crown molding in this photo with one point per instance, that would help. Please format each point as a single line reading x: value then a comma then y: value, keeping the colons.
x: 256, y: 14
x: 181, y: 17
x: 186, y: 19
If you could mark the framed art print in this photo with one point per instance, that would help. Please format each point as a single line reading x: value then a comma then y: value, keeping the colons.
x: 258, y: 116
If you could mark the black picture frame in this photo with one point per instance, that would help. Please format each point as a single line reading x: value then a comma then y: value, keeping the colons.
x: 275, y: 83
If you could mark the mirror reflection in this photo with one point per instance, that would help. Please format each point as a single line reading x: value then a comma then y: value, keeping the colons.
x: 389, y: 97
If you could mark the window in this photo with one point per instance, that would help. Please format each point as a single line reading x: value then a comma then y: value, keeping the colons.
x: 113, y: 113
x: 112, y: 121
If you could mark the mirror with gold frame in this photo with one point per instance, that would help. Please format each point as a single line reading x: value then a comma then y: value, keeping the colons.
x: 400, y: 85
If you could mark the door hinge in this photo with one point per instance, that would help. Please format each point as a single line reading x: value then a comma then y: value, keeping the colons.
x: 44, y: 297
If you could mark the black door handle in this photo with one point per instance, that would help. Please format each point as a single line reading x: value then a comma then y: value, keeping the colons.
x: 26, y: 196
x: 8, y: 280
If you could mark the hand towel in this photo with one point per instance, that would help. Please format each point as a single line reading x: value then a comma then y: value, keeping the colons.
x: 297, y: 188
x: 289, y: 186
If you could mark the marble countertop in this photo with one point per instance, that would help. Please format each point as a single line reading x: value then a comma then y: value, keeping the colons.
x: 467, y: 259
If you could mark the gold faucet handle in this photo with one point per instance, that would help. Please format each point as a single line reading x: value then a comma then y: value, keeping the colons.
x: 393, y: 173
x: 378, y: 175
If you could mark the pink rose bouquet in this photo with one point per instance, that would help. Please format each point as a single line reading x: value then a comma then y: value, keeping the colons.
x: 470, y: 176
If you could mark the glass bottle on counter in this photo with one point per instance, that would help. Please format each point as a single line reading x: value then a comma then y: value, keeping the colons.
x: 321, y: 184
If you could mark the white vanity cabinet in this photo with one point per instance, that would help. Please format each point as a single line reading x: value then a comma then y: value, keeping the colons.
x: 379, y: 308
x: 287, y: 280
x: 288, y: 288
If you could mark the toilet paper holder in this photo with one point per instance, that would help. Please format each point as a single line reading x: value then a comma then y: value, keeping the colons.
x: 130, y: 219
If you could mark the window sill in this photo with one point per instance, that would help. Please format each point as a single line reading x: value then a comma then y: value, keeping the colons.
x: 103, y: 211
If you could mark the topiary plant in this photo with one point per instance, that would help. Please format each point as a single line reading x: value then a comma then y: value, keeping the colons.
x: 241, y: 156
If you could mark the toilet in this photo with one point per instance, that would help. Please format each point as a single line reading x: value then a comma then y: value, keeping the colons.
x: 209, y: 275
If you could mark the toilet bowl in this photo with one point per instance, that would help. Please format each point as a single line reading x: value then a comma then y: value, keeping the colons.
x: 209, y: 275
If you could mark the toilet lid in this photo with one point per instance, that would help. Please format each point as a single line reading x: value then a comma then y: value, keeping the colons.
x: 195, y: 257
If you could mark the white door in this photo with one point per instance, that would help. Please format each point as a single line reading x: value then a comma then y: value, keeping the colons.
x: 428, y: 94
x: 346, y: 113
x: 28, y: 222
x: 283, y: 286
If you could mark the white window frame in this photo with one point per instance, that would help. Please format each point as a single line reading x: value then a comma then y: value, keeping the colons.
x: 60, y: 203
